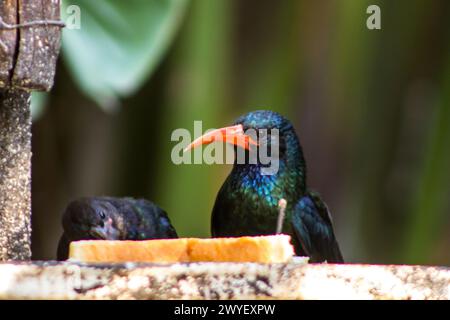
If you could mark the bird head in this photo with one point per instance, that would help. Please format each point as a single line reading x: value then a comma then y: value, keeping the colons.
x: 263, y: 119
x: 264, y: 136
x: 92, y: 218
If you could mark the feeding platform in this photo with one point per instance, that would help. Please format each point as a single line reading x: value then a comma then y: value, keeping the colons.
x: 294, y: 280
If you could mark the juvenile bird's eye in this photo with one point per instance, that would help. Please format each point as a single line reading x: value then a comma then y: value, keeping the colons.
x: 102, y: 215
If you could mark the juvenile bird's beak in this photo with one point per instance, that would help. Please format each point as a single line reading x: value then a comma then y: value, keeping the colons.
x: 104, y: 233
x: 98, y: 233
x: 233, y: 134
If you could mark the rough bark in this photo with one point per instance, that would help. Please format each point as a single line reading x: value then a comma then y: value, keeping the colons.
x: 222, y: 281
x: 8, y: 40
x: 15, y: 166
x: 38, y: 46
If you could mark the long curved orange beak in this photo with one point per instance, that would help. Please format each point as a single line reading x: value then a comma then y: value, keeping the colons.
x: 233, y: 134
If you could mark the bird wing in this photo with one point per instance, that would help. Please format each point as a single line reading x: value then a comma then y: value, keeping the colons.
x: 313, y: 227
x: 157, y: 223
x: 219, y: 225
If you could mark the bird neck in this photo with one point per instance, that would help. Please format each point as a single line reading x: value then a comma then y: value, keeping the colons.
x: 288, y: 182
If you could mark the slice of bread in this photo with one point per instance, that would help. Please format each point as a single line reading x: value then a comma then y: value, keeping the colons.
x: 165, y: 251
x: 263, y: 249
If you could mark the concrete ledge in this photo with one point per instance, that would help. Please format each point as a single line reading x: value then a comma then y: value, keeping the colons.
x: 296, y: 280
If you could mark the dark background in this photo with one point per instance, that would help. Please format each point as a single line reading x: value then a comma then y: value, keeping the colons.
x: 371, y: 107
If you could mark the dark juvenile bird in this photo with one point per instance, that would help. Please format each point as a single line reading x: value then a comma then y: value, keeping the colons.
x: 247, y: 203
x: 108, y: 218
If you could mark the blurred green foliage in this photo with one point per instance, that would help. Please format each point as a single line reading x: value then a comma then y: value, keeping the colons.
x: 119, y: 44
x: 431, y: 202
x: 371, y: 108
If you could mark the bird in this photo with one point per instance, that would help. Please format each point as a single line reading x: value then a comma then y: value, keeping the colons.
x: 247, y: 204
x: 110, y: 218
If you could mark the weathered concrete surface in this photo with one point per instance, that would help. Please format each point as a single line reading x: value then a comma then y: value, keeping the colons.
x: 295, y: 280
x: 15, y: 175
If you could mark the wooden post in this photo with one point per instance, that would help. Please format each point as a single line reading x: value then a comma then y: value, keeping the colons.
x: 15, y: 162
x: 29, y: 47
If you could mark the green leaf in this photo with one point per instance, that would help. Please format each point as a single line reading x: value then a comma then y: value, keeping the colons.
x: 118, y: 45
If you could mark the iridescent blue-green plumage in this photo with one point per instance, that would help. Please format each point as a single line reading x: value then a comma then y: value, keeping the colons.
x: 247, y: 203
x: 108, y: 218
x: 313, y: 228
